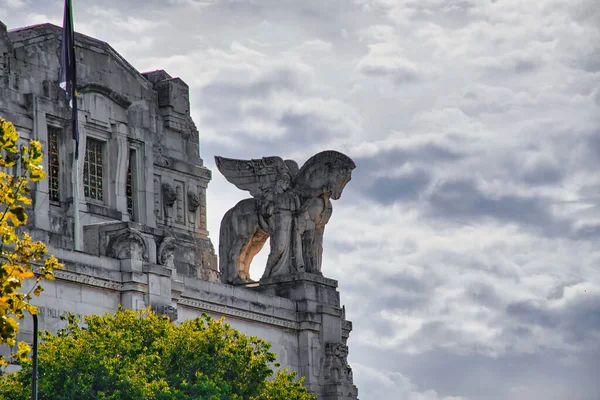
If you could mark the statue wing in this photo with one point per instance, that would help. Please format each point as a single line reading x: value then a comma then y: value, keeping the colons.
x: 256, y: 176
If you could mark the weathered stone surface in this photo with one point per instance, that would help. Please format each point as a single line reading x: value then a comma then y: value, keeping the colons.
x: 322, y: 329
x: 290, y: 206
x: 145, y: 241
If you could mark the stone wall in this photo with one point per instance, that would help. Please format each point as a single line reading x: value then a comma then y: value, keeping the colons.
x: 142, y: 204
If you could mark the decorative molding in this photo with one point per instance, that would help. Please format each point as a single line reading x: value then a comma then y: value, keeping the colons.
x: 302, y: 276
x: 85, y: 280
x: 232, y: 312
x: 179, y: 194
x: 117, y: 97
x: 157, y: 197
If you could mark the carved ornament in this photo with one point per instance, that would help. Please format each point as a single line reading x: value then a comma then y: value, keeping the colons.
x: 165, y: 254
x: 167, y: 310
x: 128, y: 244
x: 115, y: 96
x: 336, y: 368
x: 160, y: 158
x: 193, y: 201
x: 169, y: 195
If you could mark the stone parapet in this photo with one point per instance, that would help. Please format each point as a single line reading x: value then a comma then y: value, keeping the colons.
x: 323, y: 332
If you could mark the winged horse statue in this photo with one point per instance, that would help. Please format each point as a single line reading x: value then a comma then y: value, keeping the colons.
x: 289, y: 205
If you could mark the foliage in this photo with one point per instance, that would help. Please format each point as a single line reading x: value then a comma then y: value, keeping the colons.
x: 18, y: 252
x: 138, y: 355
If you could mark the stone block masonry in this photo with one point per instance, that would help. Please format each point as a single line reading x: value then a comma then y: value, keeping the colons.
x: 143, y: 209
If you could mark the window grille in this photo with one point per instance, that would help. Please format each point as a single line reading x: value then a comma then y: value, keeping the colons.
x: 130, y: 187
x: 93, y: 169
x: 53, y: 164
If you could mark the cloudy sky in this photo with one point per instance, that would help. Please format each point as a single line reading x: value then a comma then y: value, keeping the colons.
x: 467, y: 244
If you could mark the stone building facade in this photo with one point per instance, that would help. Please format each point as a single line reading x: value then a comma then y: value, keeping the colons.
x: 142, y: 203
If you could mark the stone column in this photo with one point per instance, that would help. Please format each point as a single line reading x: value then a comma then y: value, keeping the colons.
x: 135, y: 284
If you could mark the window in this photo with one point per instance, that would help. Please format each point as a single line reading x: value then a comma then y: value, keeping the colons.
x: 131, y: 187
x: 53, y: 164
x: 93, y: 169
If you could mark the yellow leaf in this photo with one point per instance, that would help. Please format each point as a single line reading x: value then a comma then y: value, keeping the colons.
x: 25, y: 274
x: 38, y: 290
x: 3, y: 306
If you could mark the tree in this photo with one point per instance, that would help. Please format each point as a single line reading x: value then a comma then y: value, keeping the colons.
x: 139, y: 355
x: 18, y: 252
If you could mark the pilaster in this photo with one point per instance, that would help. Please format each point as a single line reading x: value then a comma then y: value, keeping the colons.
x: 322, y: 332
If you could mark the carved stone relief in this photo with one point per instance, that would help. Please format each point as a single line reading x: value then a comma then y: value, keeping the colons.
x: 167, y: 310
x: 169, y: 196
x: 165, y: 254
x: 179, y: 201
x: 128, y: 244
x: 336, y: 368
x: 160, y: 158
x: 193, y: 201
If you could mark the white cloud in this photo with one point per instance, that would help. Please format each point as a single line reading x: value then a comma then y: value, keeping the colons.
x: 13, y: 4
x: 470, y: 227
x: 389, y: 384
x: 118, y: 20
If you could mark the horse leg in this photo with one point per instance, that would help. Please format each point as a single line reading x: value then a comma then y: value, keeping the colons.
x: 251, y: 248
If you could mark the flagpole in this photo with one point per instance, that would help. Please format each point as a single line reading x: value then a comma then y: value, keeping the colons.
x: 75, y: 169
x: 68, y: 81
x: 75, y: 108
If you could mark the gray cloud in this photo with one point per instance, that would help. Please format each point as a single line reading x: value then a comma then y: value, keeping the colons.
x: 542, y: 174
x: 462, y: 199
x: 484, y: 295
x: 396, y: 73
x: 402, y: 188
x: 578, y: 319
x: 278, y: 80
x: 395, y: 157
x: 466, y: 243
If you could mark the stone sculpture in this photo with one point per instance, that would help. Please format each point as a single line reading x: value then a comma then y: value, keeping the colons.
x: 128, y: 243
x: 193, y: 201
x: 166, y: 251
x: 336, y: 366
x: 290, y: 205
x: 169, y: 195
